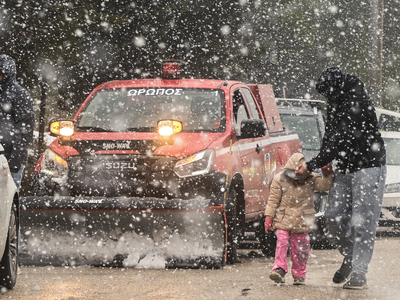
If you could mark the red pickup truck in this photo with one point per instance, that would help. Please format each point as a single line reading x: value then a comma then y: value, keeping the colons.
x: 144, y: 153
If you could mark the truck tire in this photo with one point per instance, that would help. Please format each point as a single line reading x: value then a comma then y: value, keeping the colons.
x: 235, y: 220
x: 9, y: 261
x: 267, y: 239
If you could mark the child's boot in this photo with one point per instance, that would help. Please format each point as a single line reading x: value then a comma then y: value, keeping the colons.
x: 299, y: 281
x: 278, y: 275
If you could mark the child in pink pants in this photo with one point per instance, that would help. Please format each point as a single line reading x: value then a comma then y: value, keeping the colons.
x: 299, y: 252
x: 290, y: 210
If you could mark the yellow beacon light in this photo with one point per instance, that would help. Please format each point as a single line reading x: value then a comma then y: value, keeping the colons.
x: 63, y: 128
x: 167, y: 128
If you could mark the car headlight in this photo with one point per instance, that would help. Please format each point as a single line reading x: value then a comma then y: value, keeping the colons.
x: 53, y: 164
x: 197, y: 164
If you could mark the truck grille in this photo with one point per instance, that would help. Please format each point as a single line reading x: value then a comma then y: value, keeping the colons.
x: 121, y: 175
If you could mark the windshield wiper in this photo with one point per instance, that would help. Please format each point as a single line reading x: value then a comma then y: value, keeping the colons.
x: 141, y: 129
x: 94, y: 129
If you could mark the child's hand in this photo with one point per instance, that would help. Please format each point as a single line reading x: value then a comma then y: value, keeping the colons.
x: 327, y: 170
x: 268, y: 224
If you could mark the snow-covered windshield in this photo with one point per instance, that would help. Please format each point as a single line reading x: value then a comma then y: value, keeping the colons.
x: 121, y: 110
x: 307, y: 129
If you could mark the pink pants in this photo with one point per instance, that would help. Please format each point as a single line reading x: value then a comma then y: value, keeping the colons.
x: 299, y: 252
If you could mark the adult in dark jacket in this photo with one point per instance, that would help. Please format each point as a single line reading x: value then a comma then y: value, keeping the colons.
x: 16, y: 119
x: 353, y: 141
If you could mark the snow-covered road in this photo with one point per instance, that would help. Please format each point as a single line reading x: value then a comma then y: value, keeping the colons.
x: 245, y: 280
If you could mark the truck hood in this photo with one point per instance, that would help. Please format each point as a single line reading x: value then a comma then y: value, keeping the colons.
x: 181, y: 145
x: 187, y: 143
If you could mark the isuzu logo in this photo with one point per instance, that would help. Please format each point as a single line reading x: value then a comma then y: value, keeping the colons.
x: 117, y: 145
x: 119, y: 165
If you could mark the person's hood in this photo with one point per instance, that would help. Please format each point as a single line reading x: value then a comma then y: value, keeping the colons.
x: 294, y: 161
x: 7, y: 66
x: 334, y: 82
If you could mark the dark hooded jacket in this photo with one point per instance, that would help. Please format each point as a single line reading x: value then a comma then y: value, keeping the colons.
x: 17, y: 116
x: 351, y: 135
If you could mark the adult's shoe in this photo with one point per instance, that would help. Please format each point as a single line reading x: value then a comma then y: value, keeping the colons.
x: 344, y: 271
x: 356, y: 282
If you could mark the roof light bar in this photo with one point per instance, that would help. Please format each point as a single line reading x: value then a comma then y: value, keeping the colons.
x: 171, y: 69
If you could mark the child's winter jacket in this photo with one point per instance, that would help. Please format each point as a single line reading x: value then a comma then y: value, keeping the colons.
x: 291, y: 199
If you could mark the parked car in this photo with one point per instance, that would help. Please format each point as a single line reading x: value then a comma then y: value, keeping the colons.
x: 390, y: 214
x: 388, y: 120
x: 306, y: 118
x: 9, y: 225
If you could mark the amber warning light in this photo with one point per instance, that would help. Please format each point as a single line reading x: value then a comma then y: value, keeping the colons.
x: 171, y: 70
x: 167, y: 128
x: 62, y: 128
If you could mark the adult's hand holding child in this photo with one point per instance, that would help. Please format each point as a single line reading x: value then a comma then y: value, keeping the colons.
x: 327, y: 170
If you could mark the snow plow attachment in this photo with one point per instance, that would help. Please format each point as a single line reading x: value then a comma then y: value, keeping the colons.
x: 126, y: 231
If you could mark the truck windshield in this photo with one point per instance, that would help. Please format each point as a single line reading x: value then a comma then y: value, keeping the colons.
x: 128, y: 109
x: 307, y: 129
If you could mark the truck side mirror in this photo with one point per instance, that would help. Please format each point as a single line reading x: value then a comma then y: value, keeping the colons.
x: 252, y: 128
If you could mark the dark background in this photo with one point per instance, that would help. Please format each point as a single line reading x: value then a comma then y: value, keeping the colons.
x: 72, y: 46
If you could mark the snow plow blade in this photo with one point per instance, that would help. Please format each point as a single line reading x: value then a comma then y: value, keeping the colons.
x: 126, y: 231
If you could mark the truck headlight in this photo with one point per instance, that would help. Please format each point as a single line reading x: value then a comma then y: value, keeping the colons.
x: 197, y: 164
x: 53, y: 164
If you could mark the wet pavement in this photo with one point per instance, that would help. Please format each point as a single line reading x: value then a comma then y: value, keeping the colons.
x: 245, y: 280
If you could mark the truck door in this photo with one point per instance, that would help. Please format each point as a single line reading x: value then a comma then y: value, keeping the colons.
x: 268, y: 155
x: 252, y: 154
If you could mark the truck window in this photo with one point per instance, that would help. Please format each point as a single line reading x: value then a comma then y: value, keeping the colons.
x: 307, y: 129
x: 240, y: 112
x: 252, y: 103
x: 119, y: 110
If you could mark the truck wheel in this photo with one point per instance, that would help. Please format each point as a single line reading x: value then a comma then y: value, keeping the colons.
x: 9, y: 262
x: 235, y: 220
x: 267, y: 239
